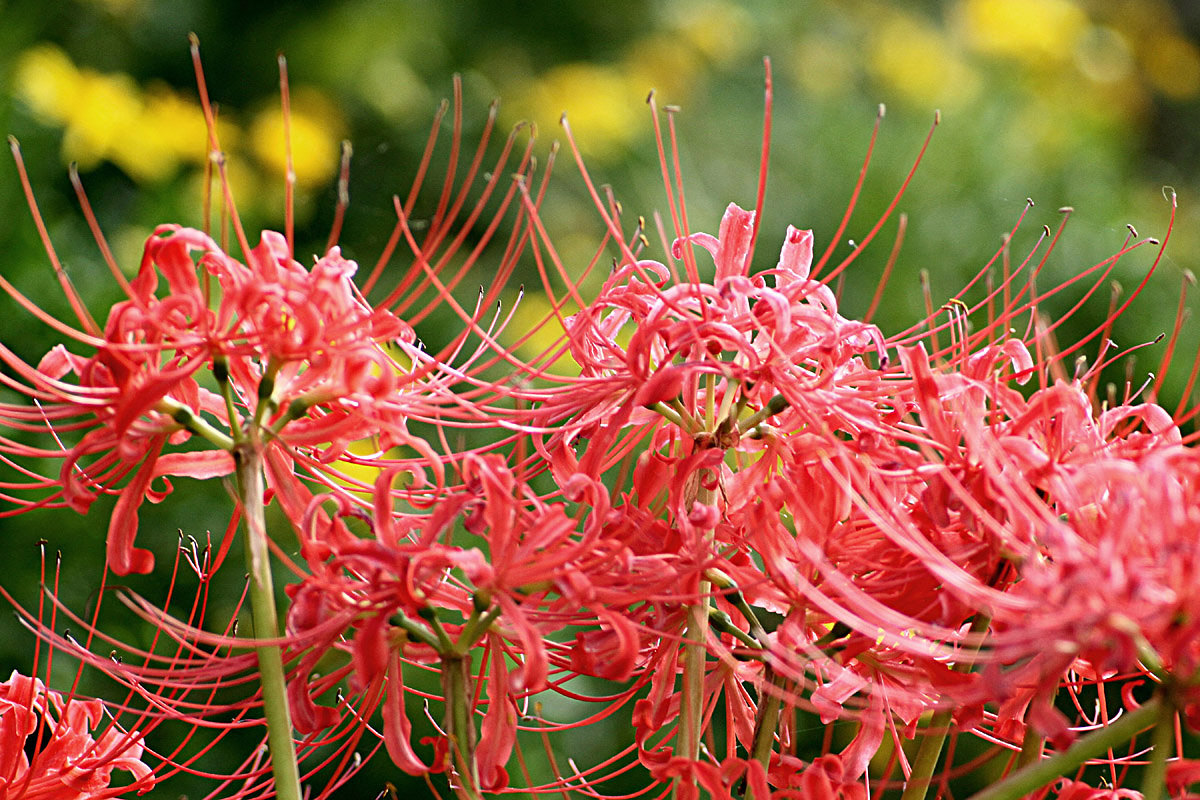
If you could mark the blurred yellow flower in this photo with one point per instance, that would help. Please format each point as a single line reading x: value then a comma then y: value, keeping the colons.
x: 169, y: 129
x: 603, y: 104
x: 919, y: 60
x: 529, y: 314
x: 718, y: 31
x: 824, y: 65
x: 317, y: 129
x: 1032, y: 31
x: 1172, y: 66
x: 107, y: 117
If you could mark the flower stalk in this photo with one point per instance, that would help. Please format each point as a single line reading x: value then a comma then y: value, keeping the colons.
x: 925, y: 764
x: 248, y: 465
x: 1035, y: 776
x: 460, y: 730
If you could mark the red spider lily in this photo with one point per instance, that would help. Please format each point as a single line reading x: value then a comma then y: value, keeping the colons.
x: 208, y: 346
x: 759, y: 509
x: 254, y: 355
x: 193, y: 688
x: 880, y: 507
x: 66, y: 761
x: 529, y: 575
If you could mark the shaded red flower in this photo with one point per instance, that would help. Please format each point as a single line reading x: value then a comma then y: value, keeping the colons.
x: 65, y: 760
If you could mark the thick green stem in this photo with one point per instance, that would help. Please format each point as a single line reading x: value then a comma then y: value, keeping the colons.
x: 248, y: 461
x: 1094, y: 744
x: 695, y: 654
x: 925, y: 764
x: 770, y: 702
x: 1154, y: 778
x: 695, y: 657
x: 460, y: 728
x: 1031, y: 748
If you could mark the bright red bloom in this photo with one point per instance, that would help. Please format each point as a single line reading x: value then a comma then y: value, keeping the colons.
x: 47, y: 749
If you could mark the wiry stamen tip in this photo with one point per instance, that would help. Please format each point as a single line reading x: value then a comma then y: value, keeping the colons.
x: 1067, y: 210
x: 937, y: 117
x: 1029, y: 202
x: 881, y: 111
x: 14, y: 145
x: 1132, y: 230
x: 650, y: 97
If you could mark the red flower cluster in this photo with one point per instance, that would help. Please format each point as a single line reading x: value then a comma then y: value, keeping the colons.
x: 745, y: 515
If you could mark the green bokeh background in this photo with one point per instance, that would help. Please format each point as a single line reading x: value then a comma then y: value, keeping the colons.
x: 1086, y: 103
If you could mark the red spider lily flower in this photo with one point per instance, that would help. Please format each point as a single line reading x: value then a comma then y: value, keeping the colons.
x: 66, y: 761
x: 524, y: 574
x: 302, y: 363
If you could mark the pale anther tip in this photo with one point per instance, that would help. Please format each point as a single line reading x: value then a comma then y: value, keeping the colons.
x: 1067, y: 210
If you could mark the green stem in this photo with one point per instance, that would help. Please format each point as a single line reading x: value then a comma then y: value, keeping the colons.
x: 1154, y: 778
x: 774, y: 406
x: 1031, y: 748
x: 248, y: 461
x: 695, y: 656
x: 925, y: 764
x: 770, y: 702
x: 460, y: 729
x: 1094, y: 744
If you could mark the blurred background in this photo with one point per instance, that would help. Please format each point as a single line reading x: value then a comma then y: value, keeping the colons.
x: 1087, y: 103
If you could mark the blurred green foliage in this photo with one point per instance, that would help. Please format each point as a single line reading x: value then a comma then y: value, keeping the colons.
x: 1088, y: 103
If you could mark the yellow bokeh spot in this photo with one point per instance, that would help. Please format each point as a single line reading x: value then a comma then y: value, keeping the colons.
x: 662, y: 63
x: 603, y: 104
x: 1033, y: 31
x: 317, y: 128
x: 917, y: 59
x: 824, y: 65
x: 120, y: 8
x: 47, y: 81
x: 530, y: 314
x: 108, y: 117
x: 1103, y: 55
x: 719, y: 31
x: 170, y: 129
x: 104, y: 108
x: 1172, y: 66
